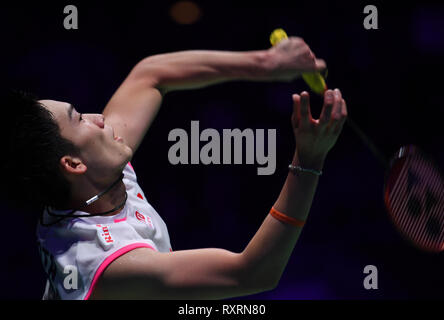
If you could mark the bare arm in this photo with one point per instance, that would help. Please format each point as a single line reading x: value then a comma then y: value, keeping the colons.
x: 218, y: 273
x: 272, y: 245
x: 199, y: 68
x: 135, y: 104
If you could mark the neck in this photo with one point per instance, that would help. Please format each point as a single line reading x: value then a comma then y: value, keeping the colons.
x: 84, y: 190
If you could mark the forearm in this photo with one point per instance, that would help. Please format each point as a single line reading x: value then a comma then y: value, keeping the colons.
x: 268, y: 252
x: 199, y: 68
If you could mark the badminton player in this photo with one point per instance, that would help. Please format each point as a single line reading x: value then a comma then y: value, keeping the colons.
x: 98, y: 236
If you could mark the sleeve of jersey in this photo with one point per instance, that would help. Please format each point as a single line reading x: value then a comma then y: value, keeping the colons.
x: 130, y: 180
x: 110, y: 259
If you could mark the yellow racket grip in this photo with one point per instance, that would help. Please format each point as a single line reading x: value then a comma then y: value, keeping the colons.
x: 314, y: 80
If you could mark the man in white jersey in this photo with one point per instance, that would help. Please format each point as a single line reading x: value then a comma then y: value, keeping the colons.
x: 87, y: 245
x: 111, y: 238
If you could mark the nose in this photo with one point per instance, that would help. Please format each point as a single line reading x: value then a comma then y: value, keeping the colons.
x: 97, y: 119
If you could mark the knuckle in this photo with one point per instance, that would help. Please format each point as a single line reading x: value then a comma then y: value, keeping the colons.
x: 306, y: 51
x: 310, y: 59
x: 298, y: 39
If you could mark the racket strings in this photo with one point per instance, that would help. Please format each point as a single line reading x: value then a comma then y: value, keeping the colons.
x: 430, y: 218
x: 417, y: 203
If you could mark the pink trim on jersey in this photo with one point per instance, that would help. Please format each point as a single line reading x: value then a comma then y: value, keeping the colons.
x: 120, y: 220
x: 131, y: 166
x: 110, y: 259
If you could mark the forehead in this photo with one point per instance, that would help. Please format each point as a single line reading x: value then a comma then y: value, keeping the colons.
x: 62, y: 111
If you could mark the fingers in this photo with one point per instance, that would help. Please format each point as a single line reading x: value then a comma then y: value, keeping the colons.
x: 304, y: 109
x: 301, y: 110
x: 343, y: 117
x: 333, y: 114
x: 296, y: 107
x: 325, y: 116
x: 337, y: 106
x: 334, y: 111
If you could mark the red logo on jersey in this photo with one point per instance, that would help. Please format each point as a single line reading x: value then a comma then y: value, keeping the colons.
x: 140, y: 196
x: 142, y: 218
x: 105, y: 234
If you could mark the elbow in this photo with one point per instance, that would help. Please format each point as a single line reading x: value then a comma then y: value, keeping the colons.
x: 270, y: 285
x: 150, y: 74
x: 256, y: 277
x: 262, y: 286
x: 249, y: 287
x: 154, y: 77
x: 257, y: 281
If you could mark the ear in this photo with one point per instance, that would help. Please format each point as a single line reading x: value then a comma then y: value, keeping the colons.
x: 73, y: 165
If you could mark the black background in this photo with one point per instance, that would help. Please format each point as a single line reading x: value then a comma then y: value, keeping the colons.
x: 388, y: 77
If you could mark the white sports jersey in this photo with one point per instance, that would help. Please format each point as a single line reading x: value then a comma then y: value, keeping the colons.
x: 76, y: 251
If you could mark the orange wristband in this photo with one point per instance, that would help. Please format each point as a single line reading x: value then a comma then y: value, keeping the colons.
x: 284, y: 218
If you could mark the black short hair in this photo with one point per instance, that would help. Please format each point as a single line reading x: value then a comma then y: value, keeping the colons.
x: 34, y: 145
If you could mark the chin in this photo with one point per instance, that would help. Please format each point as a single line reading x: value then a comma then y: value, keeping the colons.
x: 129, y: 156
x: 130, y: 153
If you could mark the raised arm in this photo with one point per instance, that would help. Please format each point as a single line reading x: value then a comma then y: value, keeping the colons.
x: 135, y: 104
x: 217, y: 273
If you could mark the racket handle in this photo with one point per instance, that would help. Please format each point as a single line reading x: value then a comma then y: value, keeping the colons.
x: 314, y: 80
x: 317, y: 84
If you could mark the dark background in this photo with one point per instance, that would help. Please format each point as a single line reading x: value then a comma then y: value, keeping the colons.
x: 386, y: 76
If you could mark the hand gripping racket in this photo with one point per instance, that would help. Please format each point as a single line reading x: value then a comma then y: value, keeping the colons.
x: 314, y: 80
x: 413, y: 184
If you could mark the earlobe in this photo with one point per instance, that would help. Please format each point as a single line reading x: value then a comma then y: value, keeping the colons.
x: 72, y: 165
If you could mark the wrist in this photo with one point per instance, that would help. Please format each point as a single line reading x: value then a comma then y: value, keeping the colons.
x: 315, y: 162
x: 267, y: 64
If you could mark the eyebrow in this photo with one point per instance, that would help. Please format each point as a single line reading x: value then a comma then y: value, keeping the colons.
x: 70, y: 109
